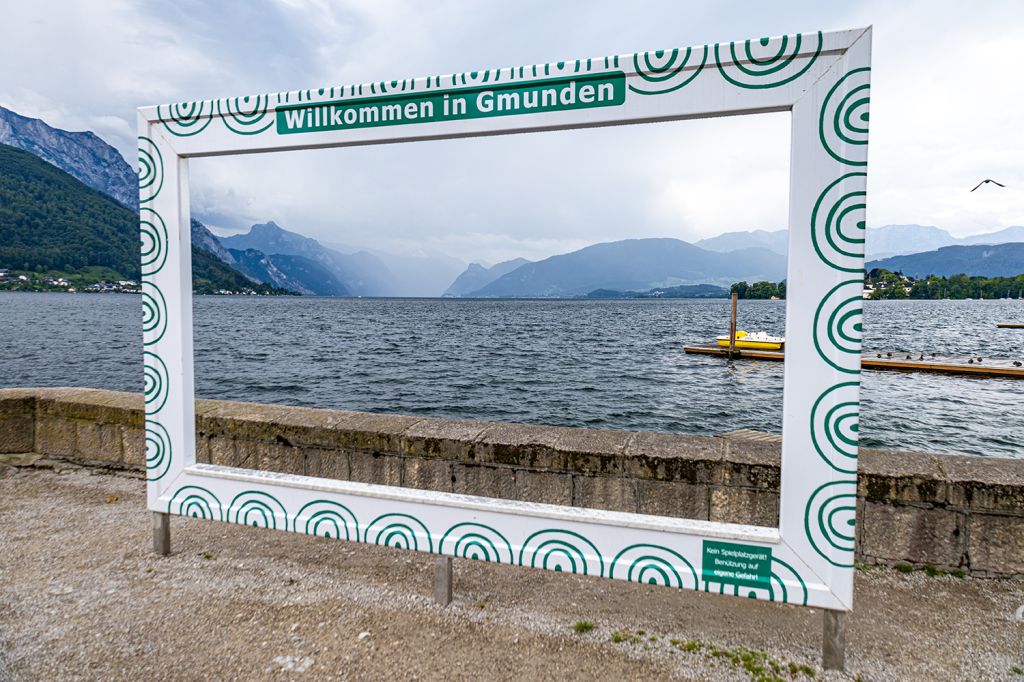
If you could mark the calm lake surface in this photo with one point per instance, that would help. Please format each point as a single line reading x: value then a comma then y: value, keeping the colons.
x: 603, y: 364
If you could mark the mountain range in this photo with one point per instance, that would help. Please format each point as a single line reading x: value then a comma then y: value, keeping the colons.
x: 986, y: 260
x: 68, y: 200
x: 477, y: 276
x: 82, y: 155
x: 880, y: 242
x: 633, y: 265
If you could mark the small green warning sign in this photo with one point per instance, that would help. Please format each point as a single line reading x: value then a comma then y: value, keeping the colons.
x: 731, y: 563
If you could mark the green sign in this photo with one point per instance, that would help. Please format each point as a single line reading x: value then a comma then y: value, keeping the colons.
x: 530, y: 97
x: 730, y: 563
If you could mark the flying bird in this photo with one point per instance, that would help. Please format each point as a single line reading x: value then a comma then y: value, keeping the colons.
x: 986, y: 181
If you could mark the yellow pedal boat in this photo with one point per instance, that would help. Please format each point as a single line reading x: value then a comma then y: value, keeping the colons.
x: 754, y: 341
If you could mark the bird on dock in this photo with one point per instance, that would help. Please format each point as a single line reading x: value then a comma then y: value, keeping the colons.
x: 979, y: 360
x: 888, y: 355
x: 1016, y: 363
x: 987, y: 180
x: 909, y: 358
x: 971, y: 361
x: 878, y: 355
x: 922, y: 357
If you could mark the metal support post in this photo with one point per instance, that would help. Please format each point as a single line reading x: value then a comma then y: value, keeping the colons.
x: 833, y: 642
x: 443, y: 581
x: 161, y: 533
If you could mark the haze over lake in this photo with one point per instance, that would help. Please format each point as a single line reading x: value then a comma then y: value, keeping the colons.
x: 599, y: 364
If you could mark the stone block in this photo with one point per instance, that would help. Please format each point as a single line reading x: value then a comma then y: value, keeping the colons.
x: 427, y: 473
x: 367, y: 467
x: 55, y: 436
x: 448, y: 438
x: 17, y: 433
x: 744, y: 505
x: 133, y: 447
x: 100, y: 442
x: 673, y: 498
x: 281, y: 459
x: 522, y: 445
x: 222, y: 451
x: 918, y: 535
x: 543, y: 486
x: 604, y: 492
x: 327, y: 464
x: 485, y: 481
x: 672, y: 457
x: 996, y: 544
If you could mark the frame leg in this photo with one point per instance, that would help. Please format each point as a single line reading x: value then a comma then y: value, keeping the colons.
x: 443, y: 581
x: 161, y: 533
x: 833, y: 643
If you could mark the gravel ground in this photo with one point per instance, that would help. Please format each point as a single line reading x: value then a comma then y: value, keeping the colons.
x: 83, y: 597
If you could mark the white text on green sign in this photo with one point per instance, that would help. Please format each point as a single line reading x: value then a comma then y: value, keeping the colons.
x: 532, y: 97
x: 729, y: 563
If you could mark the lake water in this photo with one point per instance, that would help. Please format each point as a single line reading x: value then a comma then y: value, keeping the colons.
x: 604, y: 364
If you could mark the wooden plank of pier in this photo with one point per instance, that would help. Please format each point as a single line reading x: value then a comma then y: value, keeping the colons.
x: 1010, y: 325
x: 987, y: 367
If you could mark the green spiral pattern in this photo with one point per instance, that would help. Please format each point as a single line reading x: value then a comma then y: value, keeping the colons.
x: 153, y: 233
x: 835, y: 426
x: 666, y: 70
x: 563, y: 551
x: 327, y: 519
x: 246, y: 115
x: 829, y: 521
x: 839, y: 326
x: 845, y: 113
x: 399, y: 530
x: 838, y: 224
x: 756, y: 66
x: 154, y: 314
x: 257, y: 509
x: 654, y: 565
x: 196, y: 502
x: 187, y: 118
x: 476, y: 541
x: 155, y: 380
x: 151, y: 170
x: 158, y: 450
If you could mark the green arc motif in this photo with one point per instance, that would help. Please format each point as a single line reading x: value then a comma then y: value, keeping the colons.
x: 838, y: 321
x: 257, y: 509
x: 196, y: 502
x: 327, y: 519
x: 664, y: 71
x: 476, y: 541
x: 829, y: 521
x: 752, y: 71
x: 654, y: 565
x: 835, y: 426
x: 186, y: 118
x: 844, y: 117
x: 398, y: 530
x: 246, y: 115
x: 153, y: 234
x: 154, y: 314
x: 155, y: 380
x: 151, y: 170
x: 158, y: 451
x: 839, y: 244
x: 562, y: 551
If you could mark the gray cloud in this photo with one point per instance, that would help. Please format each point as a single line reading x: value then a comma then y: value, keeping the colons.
x: 945, y: 112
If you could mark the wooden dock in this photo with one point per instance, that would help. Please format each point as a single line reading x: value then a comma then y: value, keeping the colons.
x: 1010, y: 325
x: 904, y: 362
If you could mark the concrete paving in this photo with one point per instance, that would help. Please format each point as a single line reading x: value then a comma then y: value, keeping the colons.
x: 83, y: 596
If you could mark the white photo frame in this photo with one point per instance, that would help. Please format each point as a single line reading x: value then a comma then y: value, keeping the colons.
x: 822, y: 78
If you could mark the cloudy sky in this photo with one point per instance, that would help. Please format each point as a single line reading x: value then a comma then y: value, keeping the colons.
x: 946, y: 113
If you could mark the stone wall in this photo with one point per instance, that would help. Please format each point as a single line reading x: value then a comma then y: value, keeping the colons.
x: 916, y: 508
